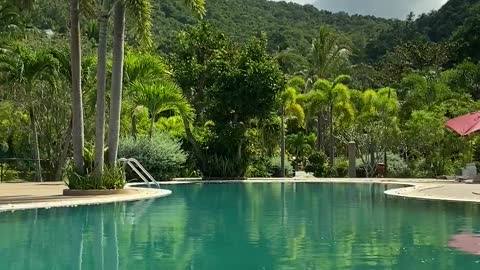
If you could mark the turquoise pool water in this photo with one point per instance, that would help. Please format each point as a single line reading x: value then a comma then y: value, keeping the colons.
x: 244, y: 226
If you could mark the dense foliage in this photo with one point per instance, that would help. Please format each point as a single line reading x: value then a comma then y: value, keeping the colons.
x: 161, y: 155
x: 253, y: 87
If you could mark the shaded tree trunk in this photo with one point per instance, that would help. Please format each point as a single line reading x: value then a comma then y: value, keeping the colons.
x: 282, y: 143
x: 77, y: 106
x: 320, y: 131
x: 101, y: 85
x: 62, y: 159
x: 152, y: 122
x: 196, y: 147
x: 134, y: 126
x: 332, y: 139
x: 117, y: 78
x: 36, y: 147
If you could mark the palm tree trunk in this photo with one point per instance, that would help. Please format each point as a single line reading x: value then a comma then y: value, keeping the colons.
x: 332, y: 142
x: 320, y: 127
x: 152, y: 121
x: 134, y: 126
x: 101, y: 85
x: 117, y: 77
x: 77, y: 107
x: 36, y: 148
x: 196, y: 146
x: 282, y: 144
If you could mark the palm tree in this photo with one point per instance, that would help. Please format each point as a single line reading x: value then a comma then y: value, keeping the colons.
x: 23, y: 69
x: 140, y: 12
x: 161, y: 97
x: 76, y: 79
x: 332, y: 97
x: 144, y: 68
x: 328, y: 54
x: 99, y: 154
x: 289, y: 108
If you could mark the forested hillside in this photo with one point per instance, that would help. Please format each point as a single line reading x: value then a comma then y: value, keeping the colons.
x: 288, y: 25
x: 253, y: 83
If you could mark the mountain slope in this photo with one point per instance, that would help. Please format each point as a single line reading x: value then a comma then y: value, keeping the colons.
x: 288, y: 25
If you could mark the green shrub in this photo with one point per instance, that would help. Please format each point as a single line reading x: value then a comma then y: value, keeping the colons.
x: 259, y: 168
x: 112, y: 178
x: 340, y: 168
x: 316, y: 164
x: 222, y: 167
x: 397, y: 167
x: 275, y: 167
x: 161, y: 155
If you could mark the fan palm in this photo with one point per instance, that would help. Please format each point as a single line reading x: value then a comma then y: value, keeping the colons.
x: 161, y: 97
x: 140, y: 13
x: 23, y: 69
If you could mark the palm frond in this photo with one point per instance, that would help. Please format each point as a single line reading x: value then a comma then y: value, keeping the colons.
x: 140, y: 11
x: 197, y: 6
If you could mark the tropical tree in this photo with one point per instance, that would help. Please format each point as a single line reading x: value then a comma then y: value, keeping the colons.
x: 23, y: 70
x: 328, y: 54
x: 289, y: 108
x: 334, y: 99
x: 160, y: 97
x: 76, y: 80
x: 140, y: 12
x: 99, y: 152
x: 141, y: 68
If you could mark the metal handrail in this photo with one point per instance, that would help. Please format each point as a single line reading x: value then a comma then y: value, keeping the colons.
x: 133, y: 164
x: 145, y: 172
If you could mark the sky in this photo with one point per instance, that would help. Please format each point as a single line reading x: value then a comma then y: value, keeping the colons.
x: 380, y: 8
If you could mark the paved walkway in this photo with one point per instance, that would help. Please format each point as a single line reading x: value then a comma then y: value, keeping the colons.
x: 18, y: 196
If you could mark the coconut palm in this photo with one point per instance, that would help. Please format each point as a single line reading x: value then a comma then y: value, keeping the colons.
x: 160, y: 97
x: 23, y: 70
x: 140, y: 12
x: 289, y: 108
x: 333, y: 98
x: 328, y: 54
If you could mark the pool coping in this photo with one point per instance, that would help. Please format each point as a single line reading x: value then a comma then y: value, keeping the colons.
x: 138, y: 193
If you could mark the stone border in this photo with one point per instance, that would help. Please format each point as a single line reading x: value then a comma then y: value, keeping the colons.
x: 97, y: 192
x: 419, y: 188
x: 134, y: 194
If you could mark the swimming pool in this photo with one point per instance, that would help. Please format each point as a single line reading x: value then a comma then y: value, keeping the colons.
x: 244, y: 226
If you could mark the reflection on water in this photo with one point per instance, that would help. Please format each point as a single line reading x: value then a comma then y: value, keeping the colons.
x: 244, y: 226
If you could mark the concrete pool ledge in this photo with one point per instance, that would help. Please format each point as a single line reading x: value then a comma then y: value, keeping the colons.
x: 451, y: 192
x: 22, y: 196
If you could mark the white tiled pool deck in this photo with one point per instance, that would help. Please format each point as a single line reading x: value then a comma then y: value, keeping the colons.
x: 27, y: 195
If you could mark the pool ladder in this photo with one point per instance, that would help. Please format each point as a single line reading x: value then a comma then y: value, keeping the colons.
x: 139, y: 170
